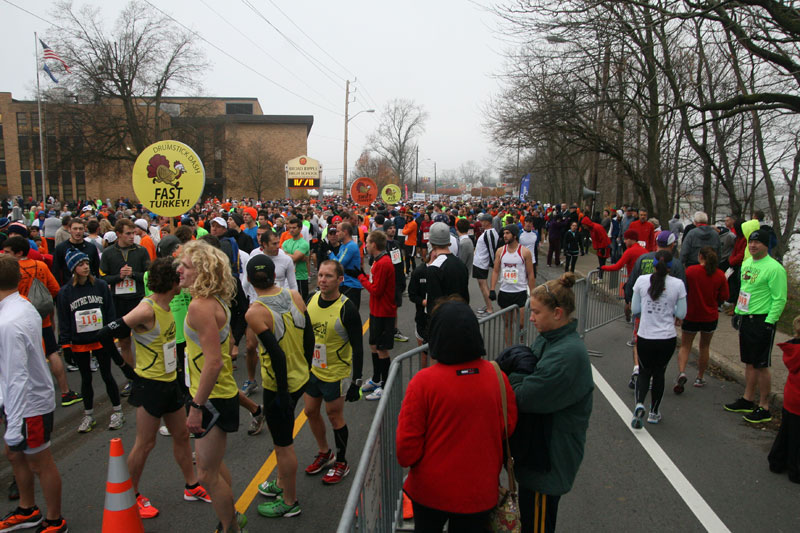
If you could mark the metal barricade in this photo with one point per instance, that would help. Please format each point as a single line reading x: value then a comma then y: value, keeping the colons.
x: 603, y: 300
x: 375, y: 500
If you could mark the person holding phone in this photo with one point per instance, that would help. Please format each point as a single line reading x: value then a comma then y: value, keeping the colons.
x: 214, y: 408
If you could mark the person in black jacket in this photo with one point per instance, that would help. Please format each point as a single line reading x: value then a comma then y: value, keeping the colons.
x: 571, y: 244
x: 395, y: 252
x: 84, y: 305
x: 446, y: 274
x: 77, y: 242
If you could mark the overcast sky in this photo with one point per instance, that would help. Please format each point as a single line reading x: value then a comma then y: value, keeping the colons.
x: 441, y: 54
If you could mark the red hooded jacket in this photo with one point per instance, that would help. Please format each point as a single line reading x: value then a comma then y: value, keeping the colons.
x: 791, y: 391
x: 600, y: 240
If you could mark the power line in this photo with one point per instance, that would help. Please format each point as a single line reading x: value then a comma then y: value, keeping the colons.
x: 240, y: 32
x: 237, y: 60
x: 315, y: 62
x: 37, y: 16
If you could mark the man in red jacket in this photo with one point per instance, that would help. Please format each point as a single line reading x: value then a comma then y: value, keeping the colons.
x: 632, y: 252
x: 382, y: 312
x: 645, y: 231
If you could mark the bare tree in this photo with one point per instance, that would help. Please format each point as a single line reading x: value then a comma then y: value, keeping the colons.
x: 261, y: 171
x: 120, y: 79
x: 402, y: 121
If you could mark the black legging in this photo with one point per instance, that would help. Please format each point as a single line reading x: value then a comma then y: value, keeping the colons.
x: 536, y: 505
x: 104, y: 362
x: 654, y: 356
x: 569, y: 263
x: 428, y: 520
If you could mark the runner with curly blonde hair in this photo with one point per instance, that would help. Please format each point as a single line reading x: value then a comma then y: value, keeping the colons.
x: 214, y: 408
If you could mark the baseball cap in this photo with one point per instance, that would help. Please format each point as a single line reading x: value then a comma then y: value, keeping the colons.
x: 110, y: 237
x: 220, y: 221
x: 261, y: 263
x: 141, y: 224
x: 485, y: 217
x: 439, y: 234
x: 665, y: 238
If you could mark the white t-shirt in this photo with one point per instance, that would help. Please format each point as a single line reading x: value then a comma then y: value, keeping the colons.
x: 528, y: 240
x: 482, y: 252
x: 284, y: 273
x: 658, y: 317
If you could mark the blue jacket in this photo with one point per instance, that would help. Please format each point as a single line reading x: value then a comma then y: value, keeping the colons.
x: 350, y: 258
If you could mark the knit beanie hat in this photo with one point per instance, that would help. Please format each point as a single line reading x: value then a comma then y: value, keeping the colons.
x: 74, y: 257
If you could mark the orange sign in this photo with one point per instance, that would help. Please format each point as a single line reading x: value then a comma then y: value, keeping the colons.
x: 363, y: 191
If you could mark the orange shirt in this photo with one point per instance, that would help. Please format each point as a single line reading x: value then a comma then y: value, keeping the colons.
x: 410, y: 231
x: 28, y: 269
x: 147, y: 242
x: 285, y: 236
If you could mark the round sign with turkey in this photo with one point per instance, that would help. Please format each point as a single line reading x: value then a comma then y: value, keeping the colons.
x: 391, y: 194
x: 168, y: 178
x: 363, y: 191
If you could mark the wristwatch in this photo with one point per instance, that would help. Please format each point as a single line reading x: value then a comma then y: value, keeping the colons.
x: 192, y: 403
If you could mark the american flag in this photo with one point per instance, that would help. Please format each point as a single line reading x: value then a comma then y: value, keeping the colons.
x: 50, y: 54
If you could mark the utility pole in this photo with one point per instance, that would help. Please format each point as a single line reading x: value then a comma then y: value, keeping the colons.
x: 346, y: 120
x: 434, y: 177
x: 416, y: 172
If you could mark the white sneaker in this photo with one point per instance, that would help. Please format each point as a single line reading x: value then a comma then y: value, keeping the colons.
x: 87, y: 424
x: 377, y: 395
x: 164, y: 431
x: 117, y: 419
x: 370, y: 386
x: 638, y: 416
x: 653, y: 418
x: 93, y: 366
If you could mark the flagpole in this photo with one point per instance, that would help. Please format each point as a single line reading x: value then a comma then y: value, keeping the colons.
x: 41, y: 132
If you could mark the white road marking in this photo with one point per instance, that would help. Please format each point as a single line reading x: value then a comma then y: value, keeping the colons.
x: 685, y: 490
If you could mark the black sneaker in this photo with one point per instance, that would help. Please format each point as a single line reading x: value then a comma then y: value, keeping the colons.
x: 758, y: 415
x: 740, y: 406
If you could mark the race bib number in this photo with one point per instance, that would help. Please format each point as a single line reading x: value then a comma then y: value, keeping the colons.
x: 126, y: 286
x: 425, y: 235
x: 471, y: 232
x: 187, y: 379
x: 743, y: 302
x: 510, y: 275
x: 642, y: 244
x: 88, y: 320
x: 320, y: 359
x: 170, y: 357
x: 396, y: 256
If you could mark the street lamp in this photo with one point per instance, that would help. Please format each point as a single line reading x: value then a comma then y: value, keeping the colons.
x: 347, y: 119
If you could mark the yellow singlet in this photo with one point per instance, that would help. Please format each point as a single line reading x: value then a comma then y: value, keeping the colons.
x: 287, y: 326
x: 225, y: 387
x: 155, y: 349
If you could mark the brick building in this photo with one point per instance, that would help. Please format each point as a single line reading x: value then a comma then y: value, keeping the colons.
x: 232, y: 136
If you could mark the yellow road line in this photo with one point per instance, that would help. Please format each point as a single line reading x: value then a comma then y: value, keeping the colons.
x: 244, y: 501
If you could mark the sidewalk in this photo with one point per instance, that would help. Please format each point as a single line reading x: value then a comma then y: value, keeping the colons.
x: 724, y: 352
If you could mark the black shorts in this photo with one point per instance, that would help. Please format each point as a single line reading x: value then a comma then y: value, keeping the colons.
x: 158, y: 398
x: 690, y: 326
x: 35, y: 433
x: 49, y: 338
x: 330, y: 391
x: 228, y: 409
x: 410, y: 250
x: 507, y: 299
x: 755, y: 341
x: 479, y: 273
x: 123, y: 306
x: 280, y: 426
x: 381, y: 332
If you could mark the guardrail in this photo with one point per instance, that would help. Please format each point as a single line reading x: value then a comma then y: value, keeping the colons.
x: 375, y: 501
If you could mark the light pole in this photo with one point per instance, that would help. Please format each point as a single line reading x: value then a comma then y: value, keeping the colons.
x: 434, y: 173
x: 347, y: 119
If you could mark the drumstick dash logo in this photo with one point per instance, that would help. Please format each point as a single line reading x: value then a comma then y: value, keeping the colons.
x: 158, y: 169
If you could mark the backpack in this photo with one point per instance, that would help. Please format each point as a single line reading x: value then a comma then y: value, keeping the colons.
x: 40, y: 297
x: 236, y: 264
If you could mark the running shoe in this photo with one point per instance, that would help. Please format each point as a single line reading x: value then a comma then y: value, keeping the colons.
x: 370, y: 386
x: 146, y: 509
x: 679, y: 384
x: 632, y: 382
x: 70, y: 398
x: 13, y: 490
x: 270, y: 489
x: 126, y: 390
x: 481, y: 312
x: 117, y: 419
x: 249, y: 387
x: 653, y: 418
x: 93, y: 366
x: 699, y: 382
x: 241, y: 521
x: 758, y: 415
x: 16, y: 520
x: 398, y: 336
x: 196, y: 494
x: 740, y: 406
x: 257, y: 424
x: 630, y: 343
x: 321, y: 462
x: 163, y: 430
x: 278, y: 509
x: 336, y: 474
x: 377, y: 395
x: 87, y: 424
x: 71, y: 367
x: 58, y: 527
x: 638, y: 416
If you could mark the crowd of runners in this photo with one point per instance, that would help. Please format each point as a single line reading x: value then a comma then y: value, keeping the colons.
x: 169, y: 301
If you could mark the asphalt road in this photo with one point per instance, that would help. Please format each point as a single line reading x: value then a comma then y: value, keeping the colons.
x: 701, y: 468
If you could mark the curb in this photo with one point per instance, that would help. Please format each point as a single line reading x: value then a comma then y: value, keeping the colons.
x: 734, y: 371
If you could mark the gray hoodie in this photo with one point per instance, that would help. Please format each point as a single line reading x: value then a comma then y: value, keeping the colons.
x: 700, y: 236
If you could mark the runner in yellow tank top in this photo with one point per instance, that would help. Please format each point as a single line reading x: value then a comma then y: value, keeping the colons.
x: 214, y: 408
x: 279, y: 319
x: 156, y: 392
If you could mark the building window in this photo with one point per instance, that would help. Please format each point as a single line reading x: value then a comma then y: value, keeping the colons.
x: 238, y: 109
x: 24, y: 152
x: 52, y: 183
x: 25, y: 177
x: 35, y: 123
x: 22, y: 123
x: 69, y: 187
x: 37, y: 182
x: 37, y: 153
x: 52, y: 151
x: 3, y: 177
x: 80, y: 184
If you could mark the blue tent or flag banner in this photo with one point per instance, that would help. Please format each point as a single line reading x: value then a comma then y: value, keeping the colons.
x: 524, y: 187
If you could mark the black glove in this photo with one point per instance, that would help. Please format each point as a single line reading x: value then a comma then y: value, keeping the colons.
x: 353, y: 393
x: 282, y: 405
x: 492, y: 295
x: 352, y: 272
x: 128, y: 372
x: 736, y: 321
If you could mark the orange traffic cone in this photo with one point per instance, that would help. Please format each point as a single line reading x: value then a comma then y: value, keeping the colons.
x: 120, y: 513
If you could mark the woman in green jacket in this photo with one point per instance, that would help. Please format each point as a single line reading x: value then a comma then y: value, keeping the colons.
x: 558, y: 397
